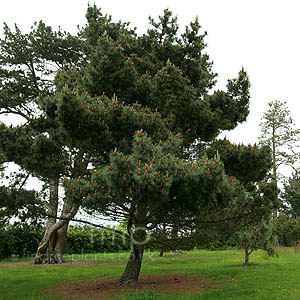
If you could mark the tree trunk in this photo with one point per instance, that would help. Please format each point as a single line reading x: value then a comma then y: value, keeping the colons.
x: 274, y: 167
x: 133, y: 267
x: 246, y: 257
x: 161, y: 253
x: 50, y: 249
x: 45, y: 252
x: 247, y: 254
x: 62, y: 234
x: 60, y: 241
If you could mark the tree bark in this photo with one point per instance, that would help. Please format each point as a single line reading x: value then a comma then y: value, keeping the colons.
x: 44, y: 253
x: 62, y: 234
x: 133, y: 267
x: 43, y: 248
x: 247, y: 254
x: 246, y: 257
x: 60, y: 241
x: 274, y: 167
x: 50, y: 249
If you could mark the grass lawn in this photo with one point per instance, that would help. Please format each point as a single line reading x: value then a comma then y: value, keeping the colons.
x: 266, y: 277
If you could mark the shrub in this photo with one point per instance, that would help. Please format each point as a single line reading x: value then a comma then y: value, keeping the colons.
x: 6, y: 243
x: 90, y: 240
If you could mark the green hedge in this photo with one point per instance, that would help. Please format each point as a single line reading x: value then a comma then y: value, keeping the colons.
x: 89, y: 240
x: 19, y: 240
x: 22, y: 240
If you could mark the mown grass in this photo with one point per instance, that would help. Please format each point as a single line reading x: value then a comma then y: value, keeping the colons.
x: 266, y: 277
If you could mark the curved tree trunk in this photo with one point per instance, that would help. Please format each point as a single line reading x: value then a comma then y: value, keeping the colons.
x: 61, y: 234
x: 60, y: 241
x: 50, y: 249
x: 133, y: 267
x: 44, y: 252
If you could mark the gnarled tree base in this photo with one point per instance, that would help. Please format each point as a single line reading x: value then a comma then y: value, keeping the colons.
x: 46, y: 259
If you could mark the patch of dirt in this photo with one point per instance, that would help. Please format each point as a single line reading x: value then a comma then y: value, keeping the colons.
x: 103, y: 289
x: 66, y: 263
x: 16, y: 264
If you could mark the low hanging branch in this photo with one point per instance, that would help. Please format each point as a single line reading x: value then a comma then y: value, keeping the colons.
x: 92, y: 224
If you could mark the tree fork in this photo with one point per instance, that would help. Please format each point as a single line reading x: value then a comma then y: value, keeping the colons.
x: 55, y: 233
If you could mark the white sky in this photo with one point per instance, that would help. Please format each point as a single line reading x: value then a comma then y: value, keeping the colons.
x: 260, y: 35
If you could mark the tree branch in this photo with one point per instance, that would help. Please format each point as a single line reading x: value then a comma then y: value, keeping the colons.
x: 92, y: 224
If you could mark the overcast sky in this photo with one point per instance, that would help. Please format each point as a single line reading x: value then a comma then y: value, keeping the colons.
x: 260, y: 35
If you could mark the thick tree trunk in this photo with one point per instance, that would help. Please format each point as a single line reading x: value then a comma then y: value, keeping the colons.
x: 161, y: 253
x: 45, y: 251
x: 50, y: 249
x: 133, y: 267
x: 62, y: 234
x: 60, y: 241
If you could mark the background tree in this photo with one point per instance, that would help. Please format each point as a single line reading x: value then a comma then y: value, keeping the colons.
x: 258, y: 237
x: 278, y: 132
x: 28, y: 64
x: 291, y: 196
x: 15, y: 200
x: 287, y: 230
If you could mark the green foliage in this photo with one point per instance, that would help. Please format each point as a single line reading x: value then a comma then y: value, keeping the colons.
x: 122, y: 112
x: 287, y: 230
x: 219, y: 228
x: 21, y: 203
x: 291, y: 196
x: 6, y: 243
x: 90, y: 240
x: 22, y: 240
x: 278, y: 132
x: 256, y: 161
x: 19, y: 239
x: 33, y: 151
x: 28, y: 63
x: 258, y: 237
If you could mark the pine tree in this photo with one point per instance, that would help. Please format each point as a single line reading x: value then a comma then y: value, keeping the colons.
x: 28, y: 63
x: 258, y: 237
x: 279, y: 133
x: 291, y: 196
x: 128, y: 114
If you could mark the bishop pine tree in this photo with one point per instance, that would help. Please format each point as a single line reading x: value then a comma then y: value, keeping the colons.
x: 132, y: 111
